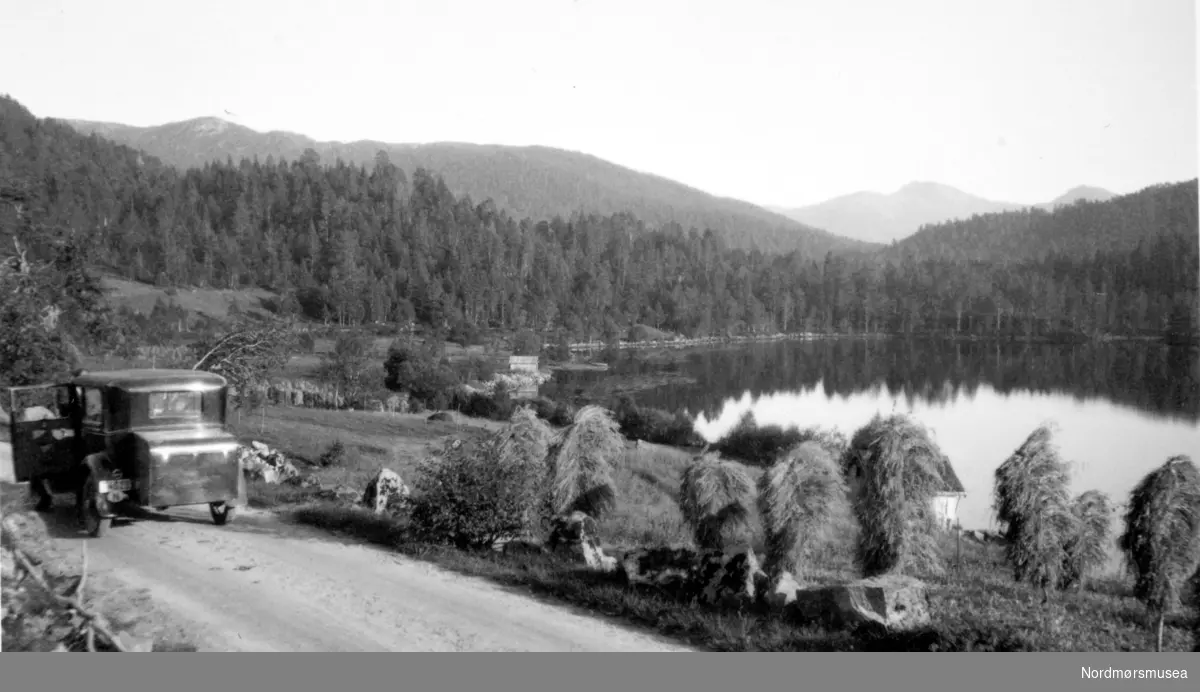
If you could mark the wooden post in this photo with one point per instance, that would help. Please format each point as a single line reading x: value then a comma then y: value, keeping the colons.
x: 958, y: 545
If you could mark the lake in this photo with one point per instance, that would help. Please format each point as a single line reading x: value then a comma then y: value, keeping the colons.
x: 1120, y: 409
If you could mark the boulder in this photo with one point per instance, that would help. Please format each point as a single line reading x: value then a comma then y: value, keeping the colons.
x: 892, y: 601
x: 570, y: 529
x: 386, y: 491
x: 575, y: 534
x: 263, y: 463
x: 730, y: 580
x: 667, y: 567
x: 783, y: 592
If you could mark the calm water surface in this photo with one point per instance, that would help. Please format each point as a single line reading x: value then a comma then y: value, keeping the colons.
x: 1120, y: 409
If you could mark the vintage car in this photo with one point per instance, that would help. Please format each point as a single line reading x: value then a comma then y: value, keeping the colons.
x: 126, y: 439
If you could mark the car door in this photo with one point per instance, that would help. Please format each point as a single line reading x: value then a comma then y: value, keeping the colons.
x: 43, y: 429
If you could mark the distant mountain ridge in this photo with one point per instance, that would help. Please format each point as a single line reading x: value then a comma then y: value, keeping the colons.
x: 533, y: 182
x: 882, y: 218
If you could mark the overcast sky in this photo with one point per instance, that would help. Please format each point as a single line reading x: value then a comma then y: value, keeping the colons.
x: 785, y: 103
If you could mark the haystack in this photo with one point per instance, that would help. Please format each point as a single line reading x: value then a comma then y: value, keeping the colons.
x: 1161, y: 541
x: 798, y: 498
x: 714, y: 498
x: 582, y: 458
x: 1032, y: 506
x: 525, y: 443
x: 1087, y: 547
x: 898, y: 466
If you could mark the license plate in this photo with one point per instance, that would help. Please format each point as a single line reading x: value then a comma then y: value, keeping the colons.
x: 123, y: 484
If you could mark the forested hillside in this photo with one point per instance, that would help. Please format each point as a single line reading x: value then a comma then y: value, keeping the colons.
x: 353, y: 244
x: 533, y: 182
x: 1081, y: 229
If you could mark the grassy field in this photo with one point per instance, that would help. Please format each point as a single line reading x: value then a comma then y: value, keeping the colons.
x: 975, y: 603
x: 211, y: 302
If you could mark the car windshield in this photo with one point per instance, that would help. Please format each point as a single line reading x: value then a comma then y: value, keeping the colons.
x: 175, y: 405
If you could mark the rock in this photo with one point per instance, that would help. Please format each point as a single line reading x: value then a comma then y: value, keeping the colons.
x: 260, y: 462
x: 570, y: 529
x: 730, y: 579
x: 666, y: 567
x: 893, y: 601
x: 576, y: 534
x: 386, y: 491
x: 783, y: 593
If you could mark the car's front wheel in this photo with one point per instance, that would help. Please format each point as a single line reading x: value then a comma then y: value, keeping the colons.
x: 89, y: 513
x: 221, y: 512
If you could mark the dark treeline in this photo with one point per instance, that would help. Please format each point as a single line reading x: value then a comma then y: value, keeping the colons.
x: 351, y: 245
x: 1157, y: 379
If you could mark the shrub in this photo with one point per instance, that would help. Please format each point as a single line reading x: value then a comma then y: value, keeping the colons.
x: 758, y: 445
x: 1161, y: 541
x: 498, y: 406
x: 417, y: 371
x: 656, y: 425
x: 476, y: 368
x: 464, y: 497
x: 1032, y: 506
x: 553, y: 412
x: 898, y: 465
x: 714, y: 498
x: 464, y: 334
x: 562, y: 348
x: 335, y: 455
x: 798, y: 498
x: 526, y: 343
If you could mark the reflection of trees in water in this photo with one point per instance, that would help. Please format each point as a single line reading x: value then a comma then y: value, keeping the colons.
x: 1156, y: 379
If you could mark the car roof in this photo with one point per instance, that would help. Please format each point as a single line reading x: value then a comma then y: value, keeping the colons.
x: 151, y: 380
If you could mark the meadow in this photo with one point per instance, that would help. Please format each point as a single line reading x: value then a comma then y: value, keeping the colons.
x: 976, y: 605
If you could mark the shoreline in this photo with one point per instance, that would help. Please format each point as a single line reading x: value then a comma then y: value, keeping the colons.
x: 700, y: 342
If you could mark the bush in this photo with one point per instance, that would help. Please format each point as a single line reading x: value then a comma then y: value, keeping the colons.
x: 498, y: 406
x: 553, y: 412
x: 464, y: 497
x: 562, y: 348
x: 427, y: 379
x: 656, y: 425
x: 759, y: 445
x: 335, y: 455
x: 464, y: 334
x: 526, y: 343
x: 476, y: 368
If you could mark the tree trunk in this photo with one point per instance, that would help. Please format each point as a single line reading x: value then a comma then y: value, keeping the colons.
x: 1161, y: 616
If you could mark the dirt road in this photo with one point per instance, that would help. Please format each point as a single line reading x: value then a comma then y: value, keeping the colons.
x: 260, y: 584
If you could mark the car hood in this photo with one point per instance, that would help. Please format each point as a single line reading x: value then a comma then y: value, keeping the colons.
x: 186, y: 436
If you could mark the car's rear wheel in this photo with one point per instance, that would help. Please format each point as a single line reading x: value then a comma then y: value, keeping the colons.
x: 89, y: 514
x: 222, y: 512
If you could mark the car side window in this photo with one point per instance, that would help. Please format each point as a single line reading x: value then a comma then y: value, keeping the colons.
x: 93, y: 407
